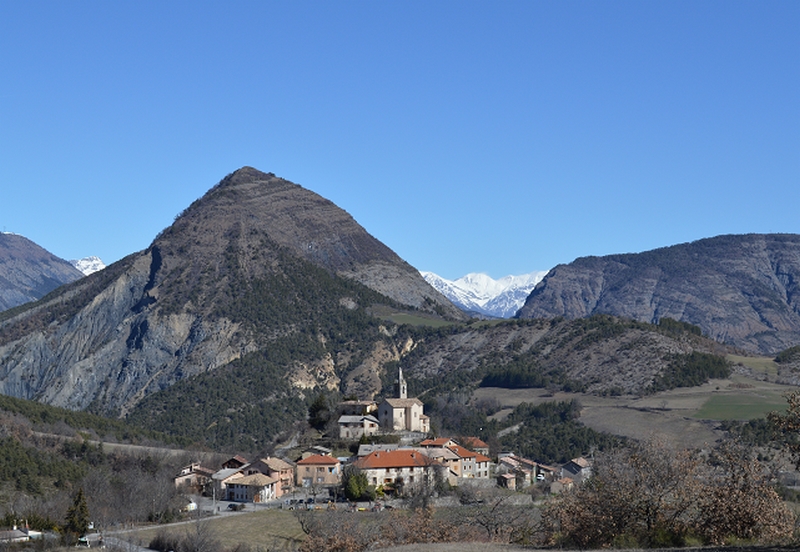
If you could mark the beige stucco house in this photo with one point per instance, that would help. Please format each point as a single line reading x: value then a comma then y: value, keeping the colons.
x: 275, y: 468
x: 318, y: 470
x: 252, y: 488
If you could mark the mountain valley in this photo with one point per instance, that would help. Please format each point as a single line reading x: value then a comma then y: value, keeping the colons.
x: 262, y: 295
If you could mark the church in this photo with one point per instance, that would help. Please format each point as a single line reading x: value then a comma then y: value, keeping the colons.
x: 402, y: 413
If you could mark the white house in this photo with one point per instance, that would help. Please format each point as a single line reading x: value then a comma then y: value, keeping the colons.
x: 252, y: 488
x: 354, y: 427
x: 390, y: 468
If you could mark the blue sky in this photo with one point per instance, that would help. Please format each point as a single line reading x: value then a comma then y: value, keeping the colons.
x: 497, y: 137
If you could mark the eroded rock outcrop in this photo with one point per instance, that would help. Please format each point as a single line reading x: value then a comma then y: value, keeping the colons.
x: 741, y: 290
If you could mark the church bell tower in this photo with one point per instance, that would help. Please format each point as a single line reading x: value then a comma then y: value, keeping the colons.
x: 401, y: 389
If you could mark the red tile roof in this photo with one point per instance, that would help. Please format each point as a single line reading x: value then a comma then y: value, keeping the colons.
x: 401, y: 458
x: 481, y: 458
x: 462, y: 452
x: 440, y: 442
x: 316, y: 459
x: 473, y: 443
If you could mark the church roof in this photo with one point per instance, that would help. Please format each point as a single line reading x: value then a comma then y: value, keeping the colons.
x: 403, y: 403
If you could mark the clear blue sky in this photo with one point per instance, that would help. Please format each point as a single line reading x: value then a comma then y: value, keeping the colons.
x: 498, y: 137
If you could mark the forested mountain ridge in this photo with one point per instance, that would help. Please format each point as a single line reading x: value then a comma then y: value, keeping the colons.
x: 262, y: 294
x: 600, y: 355
x: 248, y: 402
x: 255, y: 261
x: 743, y: 290
x: 28, y: 272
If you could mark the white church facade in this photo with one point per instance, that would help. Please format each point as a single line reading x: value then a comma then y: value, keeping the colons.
x: 402, y: 413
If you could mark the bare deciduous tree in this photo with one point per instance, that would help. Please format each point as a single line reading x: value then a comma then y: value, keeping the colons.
x: 498, y: 517
x: 740, y: 500
x: 787, y: 426
x: 650, y: 495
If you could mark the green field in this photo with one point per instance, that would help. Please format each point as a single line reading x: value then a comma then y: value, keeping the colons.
x: 740, y: 407
x: 764, y: 365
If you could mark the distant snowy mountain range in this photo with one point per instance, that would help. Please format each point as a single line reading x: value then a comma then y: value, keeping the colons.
x: 478, y: 292
x: 88, y: 265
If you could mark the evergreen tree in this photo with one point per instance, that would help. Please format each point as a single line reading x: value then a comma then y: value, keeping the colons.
x: 77, y: 521
x: 319, y: 413
x: 356, y: 485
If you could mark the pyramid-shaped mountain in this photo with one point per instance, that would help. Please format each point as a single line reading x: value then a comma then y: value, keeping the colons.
x: 258, y: 263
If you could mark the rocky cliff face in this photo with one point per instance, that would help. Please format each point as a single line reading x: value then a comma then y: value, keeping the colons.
x: 256, y: 259
x: 28, y: 272
x: 741, y: 290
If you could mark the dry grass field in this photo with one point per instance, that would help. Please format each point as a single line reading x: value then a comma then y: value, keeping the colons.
x: 687, y: 417
x: 274, y: 530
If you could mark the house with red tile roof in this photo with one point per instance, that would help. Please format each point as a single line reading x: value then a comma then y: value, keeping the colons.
x: 275, y: 468
x: 439, y: 442
x: 447, y: 458
x: 483, y: 466
x: 467, y: 460
x: 388, y: 468
x: 473, y: 443
x: 193, y: 476
x: 318, y: 470
x: 474, y: 465
x: 235, y: 462
x: 562, y: 485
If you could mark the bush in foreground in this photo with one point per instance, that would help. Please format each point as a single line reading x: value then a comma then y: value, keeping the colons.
x: 648, y: 495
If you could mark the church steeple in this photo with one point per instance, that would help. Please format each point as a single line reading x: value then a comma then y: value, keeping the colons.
x: 400, y: 387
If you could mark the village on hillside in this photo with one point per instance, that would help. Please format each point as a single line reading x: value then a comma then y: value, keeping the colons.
x: 416, y: 463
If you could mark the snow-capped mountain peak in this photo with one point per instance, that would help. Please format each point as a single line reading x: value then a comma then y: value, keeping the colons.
x: 481, y: 293
x: 88, y: 265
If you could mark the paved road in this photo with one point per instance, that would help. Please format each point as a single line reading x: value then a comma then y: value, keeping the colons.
x: 112, y: 543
